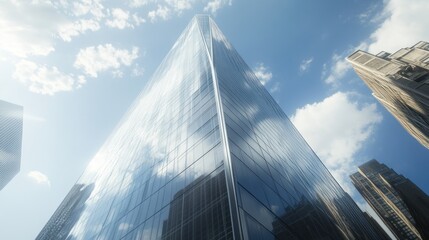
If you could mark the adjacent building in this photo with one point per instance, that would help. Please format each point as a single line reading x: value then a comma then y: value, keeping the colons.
x: 11, y: 116
x: 402, y: 206
x: 400, y: 81
x: 206, y: 153
x: 380, y: 231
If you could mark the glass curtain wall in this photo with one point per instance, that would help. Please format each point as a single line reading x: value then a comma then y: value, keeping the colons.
x: 206, y: 153
x: 11, y: 121
x: 282, y: 188
x: 160, y: 175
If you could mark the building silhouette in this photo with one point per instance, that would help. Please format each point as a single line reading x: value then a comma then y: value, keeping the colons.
x: 11, y: 117
x: 206, y: 153
x: 400, y: 82
x: 402, y: 206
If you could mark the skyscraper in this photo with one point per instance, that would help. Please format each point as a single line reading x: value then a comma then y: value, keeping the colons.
x: 206, y: 153
x: 400, y: 81
x: 380, y: 231
x: 10, y: 141
x: 402, y: 206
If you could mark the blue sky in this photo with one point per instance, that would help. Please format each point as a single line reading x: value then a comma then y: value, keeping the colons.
x: 76, y: 66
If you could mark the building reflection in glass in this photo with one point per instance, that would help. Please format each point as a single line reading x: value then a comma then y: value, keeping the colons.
x: 199, y: 211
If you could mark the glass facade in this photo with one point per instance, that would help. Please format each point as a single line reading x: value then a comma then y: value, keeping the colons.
x: 206, y: 153
x: 11, y: 116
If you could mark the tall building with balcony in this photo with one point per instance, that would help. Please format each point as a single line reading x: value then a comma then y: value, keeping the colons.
x: 402, y: 206
x: 400, y: 81
x: 206, y: 153
x: 11, y: 116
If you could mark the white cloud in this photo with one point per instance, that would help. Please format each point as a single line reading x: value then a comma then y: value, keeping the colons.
x: 166, y: 8
x: 403, y: 24
x: 180, y: 5
x: 139, y: 3
x: 162, y: 12
x: 117, y: 73
x: 305, y: 64
x: 104, y: 57
x: 137, y: 19
x: 263, y: 74
x: 88, y: 7
x: 138, y: 70
x: 337, y: 129
x: 30, y: 28
x: 71, y: 29
x: 119, y: 19
x: 338, y: 69
x: 39, y: 177
x: 339, y: 65
x: 175, y: 5
x: 123, y: 19
x: 85, y: 15
x: 406, y: 24
x: 45, y: 80
x: 215, y: 5
x: 27, y: 28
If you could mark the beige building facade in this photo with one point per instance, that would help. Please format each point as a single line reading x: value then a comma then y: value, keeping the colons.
x: 400, y: 81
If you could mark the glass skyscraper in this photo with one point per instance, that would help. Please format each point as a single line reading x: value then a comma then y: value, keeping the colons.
x: 10, y: 141
x: 206, y: 153
x: 402, y: 206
